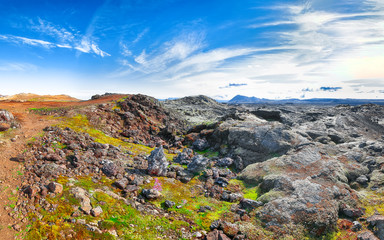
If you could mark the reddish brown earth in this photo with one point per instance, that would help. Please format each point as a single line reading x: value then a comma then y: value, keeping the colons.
x: 11, y: 170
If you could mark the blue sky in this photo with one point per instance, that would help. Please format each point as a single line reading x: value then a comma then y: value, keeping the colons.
x: 170, y: 48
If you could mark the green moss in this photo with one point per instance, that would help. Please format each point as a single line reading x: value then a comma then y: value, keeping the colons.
x: 80, y: 123
x: 190, y: 197
x: 249, y: 191
x: 208, y: 153
x: 117, y: 215
x: 372, y: 201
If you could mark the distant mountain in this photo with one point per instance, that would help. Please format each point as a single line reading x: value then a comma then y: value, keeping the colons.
x: 239, y: 99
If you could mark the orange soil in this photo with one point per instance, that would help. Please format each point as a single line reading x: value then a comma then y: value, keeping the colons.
x: 10, y: 171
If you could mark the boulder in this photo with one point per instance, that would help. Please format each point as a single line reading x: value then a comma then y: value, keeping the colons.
x: 168, y: 204
x: 249, y: 204
x: 216, y: 235
x: 198, y: 164
x: 56, y: 188
x: 377, y: 223
x: 255, y: 140
x: 6, y: 116
x: 50, y: 170
x: 307, y: 187
x: 157, y: 162
x: 367, y: 235
x: 121, y: 183
x: 111, y: 169
x: 200, y: 144
x: 96, y: 211
x: 224, y: 162
x: 184, y: 157
x: 151, y: 193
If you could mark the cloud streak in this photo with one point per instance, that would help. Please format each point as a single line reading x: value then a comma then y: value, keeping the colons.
x: 61, y: 38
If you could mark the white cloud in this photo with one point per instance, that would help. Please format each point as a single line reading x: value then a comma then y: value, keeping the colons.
x: 17, y: 67
x: 173, y: 51
x: 62, y: 38
x: 62, y: 34
x: 326, y: 48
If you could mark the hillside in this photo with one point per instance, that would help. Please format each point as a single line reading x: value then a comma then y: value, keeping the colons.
x: 30, y: 97
x: 132, y: 167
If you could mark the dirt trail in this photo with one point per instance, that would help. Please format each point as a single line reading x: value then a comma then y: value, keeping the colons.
x: 11, y: 171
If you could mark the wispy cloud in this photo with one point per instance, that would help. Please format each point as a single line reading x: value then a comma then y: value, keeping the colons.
x: 169, y: 53
x: 232, y: 85
x: 330, y: 89
x: 17, y: 67
x: 55, y: 31
x: 60, y: 37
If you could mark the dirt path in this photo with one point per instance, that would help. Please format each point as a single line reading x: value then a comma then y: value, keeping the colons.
x: 11, y: 171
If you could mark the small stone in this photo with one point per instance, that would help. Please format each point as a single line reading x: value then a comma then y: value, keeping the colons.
x: 113, y: 233
x: 131, y: 188
x: 215, y: 224
x: 249, y: 204
x: 197, y: 235
x: 168, y: 204
x: 56, y: 188
x: 356, y: 226
x: 96, y: 211
x: 81, y: 221
x: 16, y: 227
x: 363, y: 180
x: 122, y: 183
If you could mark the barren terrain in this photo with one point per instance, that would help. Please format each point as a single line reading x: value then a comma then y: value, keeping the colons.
x: 131, y: 167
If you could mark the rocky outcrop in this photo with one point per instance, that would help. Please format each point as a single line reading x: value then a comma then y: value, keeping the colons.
x: 198, y: 109
x: 157, y: 163
x: 146, y: 120
x: 304, y: 187
x: 7, y: 120
x: 254, y: 139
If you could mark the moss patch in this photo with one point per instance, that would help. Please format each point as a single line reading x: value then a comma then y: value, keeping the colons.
x: 189, y: 198
x: 80, y: 123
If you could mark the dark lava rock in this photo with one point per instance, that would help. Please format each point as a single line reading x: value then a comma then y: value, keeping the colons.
x: 215, y: 224
x: 157, y: 162
x: 216, y: 235
x: 367, y: 235
x: 200, y: 144
x: 110, y: 169
x: 377, y: 223
x: 205, y: 208
x: 198, y: 164
x: 184, y: 157
x: 122, y: 183
x: 249, y: 204
x: 168, y: 204
x: 224, y: 162
x: 352, y: 212
x: 49, y: 170
x: 356, y: 226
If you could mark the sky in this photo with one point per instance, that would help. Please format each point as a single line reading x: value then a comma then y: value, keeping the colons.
x: 174, y: 48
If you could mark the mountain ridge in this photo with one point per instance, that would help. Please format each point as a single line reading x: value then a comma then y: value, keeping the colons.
x: 240, y: 99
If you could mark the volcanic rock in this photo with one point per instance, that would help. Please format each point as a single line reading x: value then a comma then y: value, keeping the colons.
x: 157, y: 162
